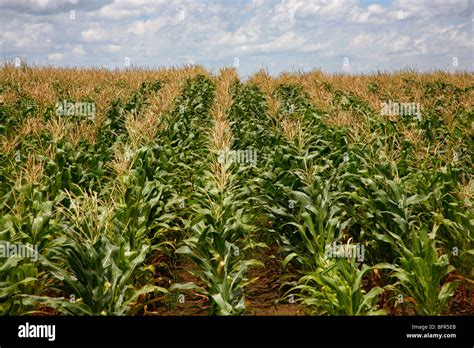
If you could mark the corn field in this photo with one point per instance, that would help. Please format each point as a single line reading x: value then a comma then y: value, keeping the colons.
x: 182, y: 191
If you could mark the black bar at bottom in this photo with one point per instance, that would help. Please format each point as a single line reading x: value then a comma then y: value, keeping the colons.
x: 291, y: 331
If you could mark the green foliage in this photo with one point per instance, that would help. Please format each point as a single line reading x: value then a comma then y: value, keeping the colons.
x: 98, y: 278
x: 400, y: 188
x: 336, y: 288
x: 420, y: 272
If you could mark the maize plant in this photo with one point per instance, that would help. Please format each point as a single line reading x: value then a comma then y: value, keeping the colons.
x: 219, y: 225
x: 336, y: 288
x: 97, y: 278
x: 419, y: 273
x: 18, y: 277
x: 186, y: 180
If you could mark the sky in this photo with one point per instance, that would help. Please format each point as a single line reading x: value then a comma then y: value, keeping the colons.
x: 352, y: 36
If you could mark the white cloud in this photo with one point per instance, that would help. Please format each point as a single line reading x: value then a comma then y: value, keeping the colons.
x: 362, y: 39
x: 47, y: 7
x: 26, y: 36
x: 375, y: 8
x: 94, y: 34
x: 112, y: 48
x: 278, y: 35
x: 55, y: 57
x: 79, y: 50
x: 111, y: 12
x: 149, y: 27
x: 127, y: 9
x: 430, y: 8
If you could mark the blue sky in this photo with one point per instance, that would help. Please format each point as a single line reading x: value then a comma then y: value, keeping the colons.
x: 355, y: 36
